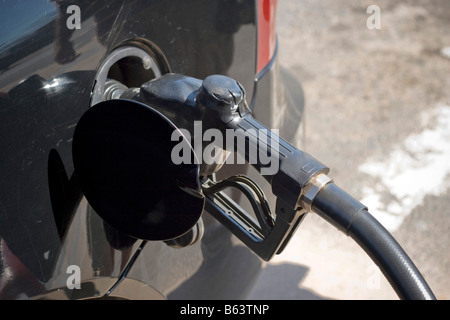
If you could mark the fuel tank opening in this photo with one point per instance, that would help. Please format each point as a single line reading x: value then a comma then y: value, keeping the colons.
x: 130, y: 64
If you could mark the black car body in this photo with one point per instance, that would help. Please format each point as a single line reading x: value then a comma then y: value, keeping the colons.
x: 53, y: 56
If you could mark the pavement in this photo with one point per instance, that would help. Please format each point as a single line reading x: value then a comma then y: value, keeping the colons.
x: 378, y: 114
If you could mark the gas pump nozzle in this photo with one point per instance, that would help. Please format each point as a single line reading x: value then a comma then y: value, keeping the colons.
x: 164, y: 200
x: 218, y: 103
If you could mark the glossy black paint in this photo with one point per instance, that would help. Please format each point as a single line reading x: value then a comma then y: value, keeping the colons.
x: 47, y: 74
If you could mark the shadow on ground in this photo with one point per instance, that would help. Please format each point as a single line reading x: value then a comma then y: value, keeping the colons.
x: 282, y: 280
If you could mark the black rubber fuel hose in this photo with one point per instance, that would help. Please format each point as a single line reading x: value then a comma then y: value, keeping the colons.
x: 351, y: 217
